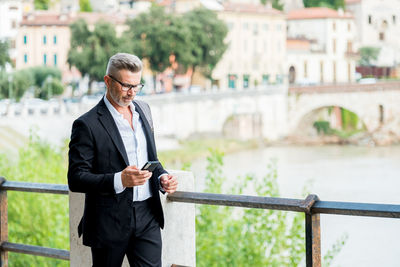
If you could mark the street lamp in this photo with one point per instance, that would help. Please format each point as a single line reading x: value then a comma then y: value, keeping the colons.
x: 49, y: 86
x: 10, y: 80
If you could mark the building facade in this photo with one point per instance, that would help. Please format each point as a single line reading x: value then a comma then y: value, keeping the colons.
x: 256, y: 52
x: 321, y: 46
x: 378, y: 25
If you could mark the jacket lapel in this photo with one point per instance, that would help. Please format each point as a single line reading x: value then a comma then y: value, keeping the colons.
x: 109, y: 125
x: 151, y: 147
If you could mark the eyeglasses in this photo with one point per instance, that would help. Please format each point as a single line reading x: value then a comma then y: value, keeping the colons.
x: 126, y: 86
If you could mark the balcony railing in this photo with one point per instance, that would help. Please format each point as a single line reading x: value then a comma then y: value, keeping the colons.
x: 311, y: 206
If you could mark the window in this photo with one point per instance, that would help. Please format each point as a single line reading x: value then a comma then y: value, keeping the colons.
x: 13, y: 24
x: 246, y: 79
x: 382, y: 36
x: 394, y: 19
x: 349, y: 26
x: 232, y: 81
x: 55, y: 39
x: 305, y: 69
x: 349, y: 46
x: 13, y: 44
x: 44, y: 39
x: 265, y: 79
x: 44, y: 59
x: 369, y: 19
x: 55, y: 59
x: 334, y: 71
x: 255, y: 29
x: 334, y: 46
x: 25, y: 39
x: 279, y: 79
x: 25, y: 58
x: 321, y: 67
x: 334, y: 26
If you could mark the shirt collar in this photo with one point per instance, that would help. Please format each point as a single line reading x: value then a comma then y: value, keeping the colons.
x: 113, y: 110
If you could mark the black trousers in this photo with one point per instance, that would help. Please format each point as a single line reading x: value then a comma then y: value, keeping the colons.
x: 142, y: 248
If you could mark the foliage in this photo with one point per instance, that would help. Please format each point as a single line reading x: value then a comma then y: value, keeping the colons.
x: 207, y: 36
x: 41, y: 73
x: 50, y: 88
x: 91, y: 50
x: 17, y: 85
x: 368, y: 54
x: 275, y: 4
x: 85, y: 6
x: 42, y: 4
x: 322, y: 127
x: 335, y: 4
x: 249, y: 237
x: 157, y: 36
x: 195, y: 39
x: 4, y: 55
x: 37, y: 219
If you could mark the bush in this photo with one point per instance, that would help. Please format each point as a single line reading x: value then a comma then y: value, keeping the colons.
x: 227, y: 236
x: 37, y: 219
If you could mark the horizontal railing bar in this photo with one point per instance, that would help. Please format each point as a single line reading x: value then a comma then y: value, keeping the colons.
x: 239, y: 201
x: 35, y: 187
x: 323, y: 207
x: 356, y: 209
x: 36, y: 250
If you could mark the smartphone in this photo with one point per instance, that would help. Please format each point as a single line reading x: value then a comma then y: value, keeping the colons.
x: 150, y: 165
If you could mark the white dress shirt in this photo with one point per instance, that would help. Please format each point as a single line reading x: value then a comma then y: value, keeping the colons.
x: 135, y: 144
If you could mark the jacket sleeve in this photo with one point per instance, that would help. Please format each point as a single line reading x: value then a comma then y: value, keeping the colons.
x: 82, y: 153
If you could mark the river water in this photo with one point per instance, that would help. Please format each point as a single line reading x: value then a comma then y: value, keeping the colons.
x: 334, y: 173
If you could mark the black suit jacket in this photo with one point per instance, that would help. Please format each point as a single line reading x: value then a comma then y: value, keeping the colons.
x: 96, y: 153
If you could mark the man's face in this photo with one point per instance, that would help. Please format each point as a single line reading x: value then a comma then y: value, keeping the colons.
x: 114, y: 89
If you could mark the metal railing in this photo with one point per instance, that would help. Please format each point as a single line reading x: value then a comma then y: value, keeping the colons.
x: 311, y: 206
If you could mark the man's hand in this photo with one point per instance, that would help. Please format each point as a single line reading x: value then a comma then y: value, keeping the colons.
x: 169, y: 183
x: 132, y: 176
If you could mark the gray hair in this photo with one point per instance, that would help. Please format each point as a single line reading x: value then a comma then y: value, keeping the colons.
x: 124, y: 61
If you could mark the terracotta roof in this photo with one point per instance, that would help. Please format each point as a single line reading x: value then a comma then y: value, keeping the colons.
x: 351, y: 2
x: 40, y: 18
x: 49, y: 18
x: 317, y: 13
x: 251, y: 8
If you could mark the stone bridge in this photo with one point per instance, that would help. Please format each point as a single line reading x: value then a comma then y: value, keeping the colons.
x: 376, y: 105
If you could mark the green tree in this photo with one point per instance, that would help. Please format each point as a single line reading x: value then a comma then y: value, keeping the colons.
x: 85, y: 6
x: 334, y: 4
x: 90, y: 50
x: 368, y: 54
x: 4, y: 55
x: 51, y: 87
x: 275, y: 4
x: 207, y: 39
x: 161, y: 38
x: 41, y: 73
x: 42, y: 4
x: 37, y: 219
x: 14, y: 85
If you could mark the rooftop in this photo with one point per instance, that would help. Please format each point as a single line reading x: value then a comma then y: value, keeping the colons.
x: 251, y: 8
x: 317, y: 13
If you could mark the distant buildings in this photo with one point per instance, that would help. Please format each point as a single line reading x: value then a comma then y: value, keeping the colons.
x: 378, y: 25
x: 257, y: 47
x: 44, y: 38
x: 321, y: 46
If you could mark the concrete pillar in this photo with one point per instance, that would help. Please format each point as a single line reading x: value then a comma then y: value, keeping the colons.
x: 179, y: 244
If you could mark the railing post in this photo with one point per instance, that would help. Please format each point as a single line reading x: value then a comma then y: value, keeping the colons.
x: 313, y: 235
x: 3, y: 224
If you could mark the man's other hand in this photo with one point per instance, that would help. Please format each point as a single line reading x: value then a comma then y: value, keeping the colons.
x: 132, y: 176
x: 169, y: 183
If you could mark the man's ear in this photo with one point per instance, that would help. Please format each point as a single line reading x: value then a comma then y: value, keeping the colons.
x: 107, y: 81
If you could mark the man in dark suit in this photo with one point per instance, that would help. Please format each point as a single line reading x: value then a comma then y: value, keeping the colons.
x: 109, y: 144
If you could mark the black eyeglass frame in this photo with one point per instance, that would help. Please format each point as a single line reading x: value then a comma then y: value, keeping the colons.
x: 126, y: 86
